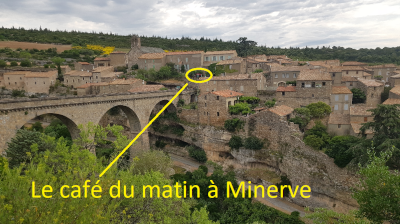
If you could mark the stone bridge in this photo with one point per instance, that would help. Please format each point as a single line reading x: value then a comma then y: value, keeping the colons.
x: 75, y: 110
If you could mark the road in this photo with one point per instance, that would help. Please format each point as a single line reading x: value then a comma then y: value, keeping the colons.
x: 277, y: 203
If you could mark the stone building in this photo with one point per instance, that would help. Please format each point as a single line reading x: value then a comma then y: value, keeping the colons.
x: 92, y: 89
x: 147, y: 88
x: 279, y: 75
x: 83, y: 66
x: 137, y: 50
x: 394, y: 93
x: 40, y: 82
x: 383, y: 70
x: 235, y: 66
x: 15, y: 79
x: 102, y: 61
x: 123, y: 85
x: 282, y: 111
x: 323, y: 64
x: 189, y: 59
x: 253, y: 65
x: 354, y: 63
x: 394, y: 78
x: 354, y: 71
x: 151, y: 61
x: 213, y: 106
x: 391, y: 101
x: 360, y: 114
x: 2, y: 84
x: 65, y: 69
x: 336, y: 74
x: 103, y: 74
x: 349, y: 82
x: 339, y: 124
x: 211, y: 57
x: 372, y: 89
x: 341, y: 98
x: 76, y: 78
x: 118, y: 59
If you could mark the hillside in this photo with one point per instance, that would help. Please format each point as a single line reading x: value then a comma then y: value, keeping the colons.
x: 372, y: 56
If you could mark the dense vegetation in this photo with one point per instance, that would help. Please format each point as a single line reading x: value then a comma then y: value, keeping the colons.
x: 243, y: 46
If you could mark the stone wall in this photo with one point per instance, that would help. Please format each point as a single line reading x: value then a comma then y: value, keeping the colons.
x: 246, y: 86
x: 187, y: 115
x: 372, y: 93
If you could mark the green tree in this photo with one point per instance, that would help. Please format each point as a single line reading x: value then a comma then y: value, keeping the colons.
x: 25, y: 55
x: 258, y: 70
x: 253, y: 143
x: 323, y: 216
x: 358, y: 96
x: 385, y: 93
x: 144, y: 163
x: 197, y: 153
x: 240, y: 108
x: 3, y: 64
x: 58, y: 61
x: 270, y: 103
x: 13, y: 64
x: 235, y: 142
x: 378, y: 192
x: 37, y: 126
x: 233, y: 124
x: 244, y: 46
x: 314, y: 141
x: 319, y: 109
x: 183, y: 69
x: 26, y: 63
x: 338, y: 148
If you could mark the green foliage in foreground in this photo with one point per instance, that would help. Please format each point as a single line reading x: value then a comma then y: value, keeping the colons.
x: 323, y: 216
x: 230, y: 210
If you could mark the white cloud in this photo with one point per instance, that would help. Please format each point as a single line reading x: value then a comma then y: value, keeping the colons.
x: 355, y: 23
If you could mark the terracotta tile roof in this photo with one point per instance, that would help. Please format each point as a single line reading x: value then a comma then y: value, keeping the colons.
x: 83, y: 63
x: 102, y: 59
x: 352, y: 68
x: 86, y: 74
x: 349, y: 79
x: 395, y: 90
x: 360, y: 110
x: 286, y: 89
x: 260, y: 108
x: 124, y: 81
x: 340, y: 90
x: 184, y: 52
x: 231, y: 77
x: 152, y: 56
x: 356, y: 128
x: 337, y: 118
x: 102, y: 68
x: 281, y: 110
x: 146, y: 88
x: 353, y: 63
x: 17, y: 73
x: 370, y: 82
x: 230, y: 61
x: 312, y: 75
x: 118, y: 52
x: 220, y: 52
x: 391, y: 101
x: 395, y: 76
x: 41, y: 74
x: 227, y: 93
x: 383, y: 66
x: 335, y: 69
x: 92, y: 84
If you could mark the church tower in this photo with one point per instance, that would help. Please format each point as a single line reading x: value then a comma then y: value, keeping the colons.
x: 135, y: 42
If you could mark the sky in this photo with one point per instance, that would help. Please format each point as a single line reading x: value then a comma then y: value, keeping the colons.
x: 351, y: 23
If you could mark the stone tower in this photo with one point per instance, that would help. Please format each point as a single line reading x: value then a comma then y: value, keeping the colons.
x: 135, y: 41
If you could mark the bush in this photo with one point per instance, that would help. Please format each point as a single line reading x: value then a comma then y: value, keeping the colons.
x: 253, y: 143
x: 135, y: 67
x: 270, y: 103
x: 258, y: 70
x: 18, y: 93
x: 160, y: 144
x: 13, y: 64
x: 233, y: 124
x: 284, y: 181
x: 358, y: 96
x: 46, y: 66
x: 340, y: 149
x: 26, y: 63
x: 319, y: 109
x: 181, y: 102
x: 197, y: 153
x: 314, y: 141
x: 240, y: 108
x: 177, y: 130
x: 235, y: 142
x: 2, y: 64
x: 249, y: 99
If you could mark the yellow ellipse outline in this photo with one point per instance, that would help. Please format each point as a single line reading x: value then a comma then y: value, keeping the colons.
x: 194, y: 69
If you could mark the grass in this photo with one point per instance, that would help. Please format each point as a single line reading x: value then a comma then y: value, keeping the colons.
x: 179, y: 170
x: 259, y: 173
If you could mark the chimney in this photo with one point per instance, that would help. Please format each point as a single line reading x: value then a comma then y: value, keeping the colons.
x: 231, y: 93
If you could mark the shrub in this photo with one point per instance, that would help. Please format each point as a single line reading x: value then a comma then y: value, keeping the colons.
x: 284, y: 181
x: 177, y: 130
x: 253, y: 143
x: 314, y: 141
x: 160, y: 144
x: 13, y: 63
x: 2, y: 64
x: 26, y: 63
x: 181, y: 102
x: 258, y: 70
x: 249, y: 99
x: 339, y: 149
x: 135, y: 67
x: 385, y: 93
x: 240, y: 108
x: 319, y: 109
x: 235, y: 142
x: 163, y: 88
x: 46, y: 66
x: 358, y: 96
x: 197, y: 153
x: 233, y: 124
x: 270, y: 103
x: 293, y: 83
x: 18, y: 93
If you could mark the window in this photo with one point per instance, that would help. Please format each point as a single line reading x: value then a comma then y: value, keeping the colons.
x: 294, y: 75
x: 35, y: 83
x: 186, y: 59
x: 365, y: 119
x: 374, y: 88
x: 20, y: 78
x: 230, y: 66
x: 9, y: 83
x: 302, y: 85
x: 287, y: 75
x: 214, y: 58
x: 346, y: 97
x: 8, y: 78
x: 283, y: 93
x: 276, y: 76
x: 96, y: 77
x: 231, y: 88
x: 227, y: 82
x: 241, y: 88
x: 221, y: 58
x: 214, y: 82
x: 333, y: 74
x: 313, y: 84
x: 217, y: 97
x: 356, y: 72
x: 144, y: 61
x: 217, y: 114
x: 229, y: 57
x: 347, y: 72
x: 351, y: 83
x: 154, y: 66
x: 153, y: 60
x: 44, y: 82
x: 346, y: 107
x: 283, y: 76
x: 204, y: 113
x: 339, y: 126
x: 83, y: 78
x: 178, y: 60
x: 323, y: 83
x: 336, y: 107
x: 229, y: 103
x: 336, y: 97
x: 207, y: 59
x: 372, y: 95
x: 205, y: 104
x: 205, y: 97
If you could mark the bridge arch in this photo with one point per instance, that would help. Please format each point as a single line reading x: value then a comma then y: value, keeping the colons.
x: 132, y: 118
x: 282, y: 83
x: 159, y: 105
